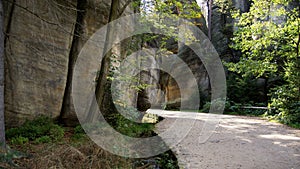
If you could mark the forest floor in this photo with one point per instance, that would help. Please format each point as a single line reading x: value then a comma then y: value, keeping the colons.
x: 238, y: 142
x: 74, y: 150
x: 67, y: 153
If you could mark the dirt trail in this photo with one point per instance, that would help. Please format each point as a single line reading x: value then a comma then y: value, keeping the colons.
x: 237, y: 143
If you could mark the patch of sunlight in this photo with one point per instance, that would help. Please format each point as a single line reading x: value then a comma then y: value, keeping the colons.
x: 247, y: 140
x: 244, y: 139
x: 297, y: 155
x: 276, y: 142
x: 237, y: 120
x: 239, y: 127
x: 279, y: 136
x: 150, y: 118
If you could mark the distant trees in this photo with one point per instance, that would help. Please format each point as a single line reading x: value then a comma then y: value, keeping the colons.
x: 268, y: 37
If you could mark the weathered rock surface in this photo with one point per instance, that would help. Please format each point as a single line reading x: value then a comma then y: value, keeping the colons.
x: 222, y: 23
x: 92, y: 15
x: 38, y: 42
x: 44, y: 38
x: 173, y: 95
x: 42, y: 46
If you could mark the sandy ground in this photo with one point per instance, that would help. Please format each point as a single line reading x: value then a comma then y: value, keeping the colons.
x: 236, y: 143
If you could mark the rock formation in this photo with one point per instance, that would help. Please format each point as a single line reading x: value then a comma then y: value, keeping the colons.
x: 44, y: 38
x: 38, y: 39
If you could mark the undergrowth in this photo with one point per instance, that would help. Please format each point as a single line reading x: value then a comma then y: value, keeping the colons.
x: 233, y: 108
x: 43, y: 144
x: 41, y: 130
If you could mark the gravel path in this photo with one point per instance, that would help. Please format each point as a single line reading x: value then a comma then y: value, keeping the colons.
x: 237, y: 143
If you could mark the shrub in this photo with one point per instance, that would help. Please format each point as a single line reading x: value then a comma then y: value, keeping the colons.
x: 167, y: 161
x: 56, y: 132
x: 19, y: 140
x: 286, y: 100
x: 133, y: 129
x: 38, y: 130
x: 78, y: 130
x: 43, y: 139
x: 79, y: 133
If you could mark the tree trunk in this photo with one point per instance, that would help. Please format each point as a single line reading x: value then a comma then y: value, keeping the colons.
x: 210, y: 4
x: 2, y: 124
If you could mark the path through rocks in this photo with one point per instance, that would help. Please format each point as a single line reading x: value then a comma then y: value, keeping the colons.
x: 238, y: 142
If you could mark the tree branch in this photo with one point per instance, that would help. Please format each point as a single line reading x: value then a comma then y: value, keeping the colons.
x: 124, y: 7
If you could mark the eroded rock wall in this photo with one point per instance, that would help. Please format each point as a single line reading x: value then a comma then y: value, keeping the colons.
x: 38, y: 39
x: 222, y: 22
x: 43, y: 39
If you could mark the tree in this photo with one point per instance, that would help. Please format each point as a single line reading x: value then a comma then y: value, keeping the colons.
x: 210, y: 11
x: 2, y: 124
x: 268, y: 37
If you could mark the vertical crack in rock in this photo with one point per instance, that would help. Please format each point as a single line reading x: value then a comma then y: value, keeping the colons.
x: 67, y: 105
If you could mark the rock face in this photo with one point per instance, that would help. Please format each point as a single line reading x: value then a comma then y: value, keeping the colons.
x: 222, y: 23
x: 41, y: 48
x: 92, y: 15
x: 43, y: 40
x: 38, y: 42
x: 173, y: 96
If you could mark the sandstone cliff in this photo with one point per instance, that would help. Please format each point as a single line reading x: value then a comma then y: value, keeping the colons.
x: 44, y: 38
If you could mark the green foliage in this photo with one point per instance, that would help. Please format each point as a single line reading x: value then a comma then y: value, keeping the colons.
x: 39, y: 130
x: 171, y: 7
x: 19, y: 140
x: 131, y: 128
x: 287, y: 105
x: 56, y: 132
x: 206, y: 107
x: 225, y: 6
x: 234, y: 108
x: 79, y: 133
x: 244, y: 89
x: 43, y: 139
x: 265, y: 43
x: 79, y: 130
x: 155, y: 12
x: 166, y: 161
x: 268, y: 37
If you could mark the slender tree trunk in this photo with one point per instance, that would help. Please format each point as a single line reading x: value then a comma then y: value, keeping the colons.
x: 210, y: 4
x: 2, y: 124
